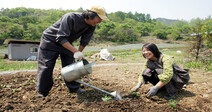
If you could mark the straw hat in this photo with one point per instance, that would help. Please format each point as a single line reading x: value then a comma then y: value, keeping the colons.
x: 100, y: 12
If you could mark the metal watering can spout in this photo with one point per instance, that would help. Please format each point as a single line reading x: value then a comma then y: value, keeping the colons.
x: 115, y: 94
x: 77, y: 70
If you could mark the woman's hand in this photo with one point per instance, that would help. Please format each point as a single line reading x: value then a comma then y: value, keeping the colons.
x: 152, y: 91
x: 137, y: 87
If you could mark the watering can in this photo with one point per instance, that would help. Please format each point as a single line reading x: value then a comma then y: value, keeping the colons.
x: 75, y: 71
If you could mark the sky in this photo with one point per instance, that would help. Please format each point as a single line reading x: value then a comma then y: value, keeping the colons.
x: 169, y: 9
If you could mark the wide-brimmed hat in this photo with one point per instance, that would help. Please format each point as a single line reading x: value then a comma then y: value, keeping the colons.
x: 100, y: 12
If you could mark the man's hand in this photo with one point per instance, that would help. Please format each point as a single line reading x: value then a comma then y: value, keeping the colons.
x: 78, y: 55
x: 137, y: 87
x: 152, y: 91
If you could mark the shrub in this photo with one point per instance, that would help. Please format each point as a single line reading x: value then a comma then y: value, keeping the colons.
x: 161, y: 34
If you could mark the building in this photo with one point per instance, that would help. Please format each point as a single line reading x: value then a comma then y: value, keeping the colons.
x: 22, y: 49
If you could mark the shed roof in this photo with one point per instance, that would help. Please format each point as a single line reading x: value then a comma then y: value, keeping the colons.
x: 8, y: 41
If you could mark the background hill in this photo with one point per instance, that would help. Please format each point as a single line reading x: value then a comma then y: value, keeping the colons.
x: 166, y: 21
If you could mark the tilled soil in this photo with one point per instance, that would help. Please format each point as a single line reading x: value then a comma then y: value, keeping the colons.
x: 18, y: 92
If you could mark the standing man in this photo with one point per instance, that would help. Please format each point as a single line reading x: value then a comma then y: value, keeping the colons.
x: 57, y: 40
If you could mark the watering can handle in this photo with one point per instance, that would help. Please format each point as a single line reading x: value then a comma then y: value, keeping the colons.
x: 75, y: 60
x: 89, y: 65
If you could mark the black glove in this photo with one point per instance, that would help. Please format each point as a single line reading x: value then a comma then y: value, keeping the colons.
x: 152, y: 91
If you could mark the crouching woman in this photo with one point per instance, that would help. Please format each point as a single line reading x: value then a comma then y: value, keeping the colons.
x: 160, y: 70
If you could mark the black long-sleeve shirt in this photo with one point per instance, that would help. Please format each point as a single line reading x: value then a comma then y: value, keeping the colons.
x: 70, y: 27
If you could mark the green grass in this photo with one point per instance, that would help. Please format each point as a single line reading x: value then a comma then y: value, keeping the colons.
x: 6, y: 65
x: 121, y: 56
x: 204, y: 66
x: 106, y: 98
x: 3, y: 47
x: 173, y: 52
x: 172, y: 104
x: 128, y: 56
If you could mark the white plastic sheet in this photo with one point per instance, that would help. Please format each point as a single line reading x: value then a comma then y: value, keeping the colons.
x: 106, y: 55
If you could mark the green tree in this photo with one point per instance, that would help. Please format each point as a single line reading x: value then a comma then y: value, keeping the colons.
x: 161, y: 33
x: 80, y: 9
x: 16, y: 32
x: 29, y: 23
x: 180, y: 28
x: 186, y: 29
x: 179, y: 24
x: 148, y: 18
x: 104, y: 31
x: 4, y: 11
x: 13, y: 31
x: 130, y: 15
x: 24, y: 20
x: 144, y: 29
x: 5, y: 19
x: 161, y: 30
x: 20, y: 11
x: 120, y: 14
x: 206, y: 31
x: 175, y: 34
x: 124, y: 34
x: 32, y: 33
x: 196, y: 28
x: 159, y: 25
x: 54, y: 15
x: 140, y: 17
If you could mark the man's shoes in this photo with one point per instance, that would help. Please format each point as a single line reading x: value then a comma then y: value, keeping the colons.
x: 77, y: 91
x: 169, y: 96
x: 41, y: 94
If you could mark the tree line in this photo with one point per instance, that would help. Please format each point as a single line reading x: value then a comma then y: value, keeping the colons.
x: 123, y: 27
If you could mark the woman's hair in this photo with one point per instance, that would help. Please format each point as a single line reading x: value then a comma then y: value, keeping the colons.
x: 89, y: 15
x: 153, y: 48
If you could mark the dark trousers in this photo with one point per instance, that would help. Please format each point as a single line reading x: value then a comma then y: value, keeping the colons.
x: 47, y: 55
x: 153, y: 79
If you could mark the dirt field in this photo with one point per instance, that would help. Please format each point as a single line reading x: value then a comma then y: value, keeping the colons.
x: 18, y: 90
